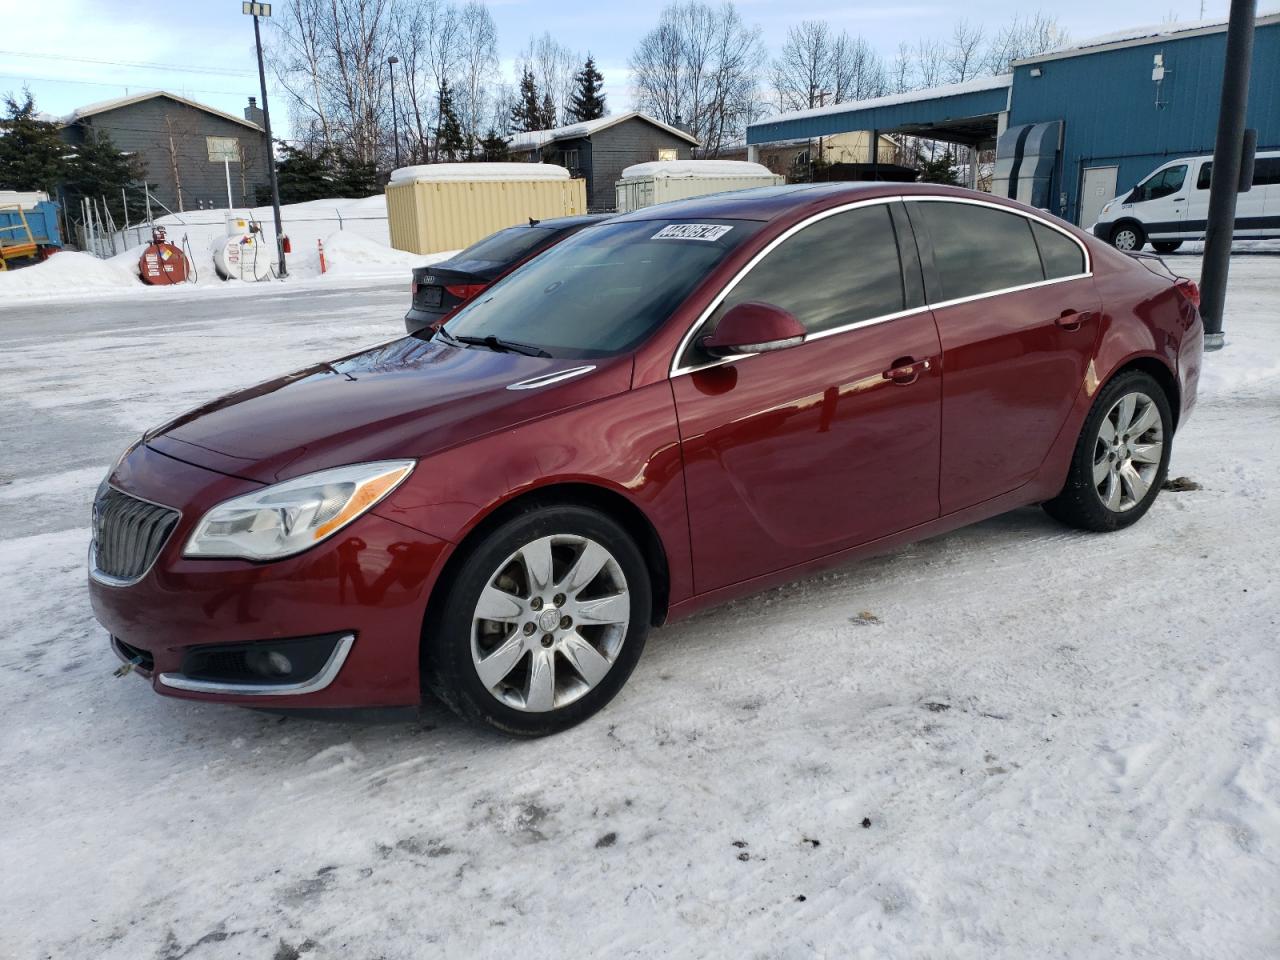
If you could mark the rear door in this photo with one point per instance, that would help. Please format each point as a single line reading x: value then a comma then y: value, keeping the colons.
x: 794, y: 454
x: 1018, y: 319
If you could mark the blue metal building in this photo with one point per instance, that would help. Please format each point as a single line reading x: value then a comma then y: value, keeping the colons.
x: 1074, y: 127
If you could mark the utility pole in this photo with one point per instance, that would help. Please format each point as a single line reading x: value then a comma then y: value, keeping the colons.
x: 395, y: 134
x: 257, y: 10
x: 1228, y: 154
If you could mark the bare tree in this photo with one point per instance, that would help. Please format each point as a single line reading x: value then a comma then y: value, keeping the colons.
x: 858, y: 73
x: 931, y: 57
x: 803, y: 72
x: 1024, y: 37
x: 478, y: 55
x: 553, y: 66
x: 964, y: 56
x: 901, y: 77
x: 699, y: 66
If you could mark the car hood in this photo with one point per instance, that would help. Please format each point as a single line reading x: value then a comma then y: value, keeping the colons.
x: 407, y: 398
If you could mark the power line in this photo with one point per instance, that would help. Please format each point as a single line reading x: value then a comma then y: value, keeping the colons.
x: 213, y: 71
x: 123, y: 86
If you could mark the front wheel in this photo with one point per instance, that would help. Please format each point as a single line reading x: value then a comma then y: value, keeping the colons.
x: 543, y: 623
x: 1121, y: 458
x: 1128, y: 237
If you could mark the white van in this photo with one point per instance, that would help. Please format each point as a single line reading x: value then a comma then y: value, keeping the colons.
x: 1172, y: 204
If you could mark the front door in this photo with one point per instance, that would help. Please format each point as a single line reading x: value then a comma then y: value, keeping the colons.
x: 1018, y: 319
x: 1099, y: 186
x: 794, y: 454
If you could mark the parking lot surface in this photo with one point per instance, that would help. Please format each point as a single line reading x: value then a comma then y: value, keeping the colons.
x: 1015, y: 740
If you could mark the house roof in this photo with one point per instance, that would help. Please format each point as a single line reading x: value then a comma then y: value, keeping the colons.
x: 103, y: 106
x: 1139, y: 36
x: 534, y: 139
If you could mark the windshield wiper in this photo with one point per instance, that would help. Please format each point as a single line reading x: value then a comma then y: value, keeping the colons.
x: 502, y: 346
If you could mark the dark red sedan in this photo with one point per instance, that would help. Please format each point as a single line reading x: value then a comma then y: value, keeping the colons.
x: 683, y: 405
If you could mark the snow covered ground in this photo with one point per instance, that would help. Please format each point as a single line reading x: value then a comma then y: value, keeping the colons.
x: 1013, y: 741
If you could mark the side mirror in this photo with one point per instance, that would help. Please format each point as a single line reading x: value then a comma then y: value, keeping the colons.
x: 753, y: 327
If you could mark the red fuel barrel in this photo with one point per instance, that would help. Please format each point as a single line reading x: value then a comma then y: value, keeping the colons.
x: 162, y: 263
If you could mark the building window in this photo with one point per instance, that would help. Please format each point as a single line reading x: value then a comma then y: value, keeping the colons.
x: 668, y: 153
x: 569, y: 159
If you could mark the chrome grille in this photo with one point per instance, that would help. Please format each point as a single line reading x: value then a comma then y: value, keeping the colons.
x: 128, y: 534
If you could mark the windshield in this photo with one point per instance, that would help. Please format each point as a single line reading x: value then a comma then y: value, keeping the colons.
x: 506, y: 245
x: 601, y: 291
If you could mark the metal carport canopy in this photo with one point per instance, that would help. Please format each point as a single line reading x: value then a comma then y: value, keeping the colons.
x: 959, y: 113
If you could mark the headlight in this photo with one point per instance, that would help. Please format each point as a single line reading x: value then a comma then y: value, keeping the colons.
x: 1106, y: 207
x: 287, y: 518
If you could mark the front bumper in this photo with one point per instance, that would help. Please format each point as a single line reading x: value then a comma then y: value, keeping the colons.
x: 369, y: 583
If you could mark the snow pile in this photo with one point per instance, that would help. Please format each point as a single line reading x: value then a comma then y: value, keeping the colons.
x: 698, y: 169
x: 67, y: 274
x: 441, y: 172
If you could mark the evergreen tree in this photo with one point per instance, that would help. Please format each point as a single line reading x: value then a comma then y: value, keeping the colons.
x: 356, y: 178
x: 547, y: 113
x: 304, y: 176
x: 450, y: 141
x: 493, y: 148
x: 98, y: 169
x: 31, y: 151
x: 588, y: 100
x: 527, y: 113
x: 941, y: 170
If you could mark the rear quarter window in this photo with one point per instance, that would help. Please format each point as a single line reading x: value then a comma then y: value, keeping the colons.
x: 978, y: 249
x: 1061, y: 256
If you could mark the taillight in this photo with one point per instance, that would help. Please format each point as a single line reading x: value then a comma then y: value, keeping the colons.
x: 1190, y: 290
x: 464, y: 291
x: 413, y: 289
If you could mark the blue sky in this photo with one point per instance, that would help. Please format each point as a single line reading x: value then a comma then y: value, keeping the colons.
x: 213, y: 35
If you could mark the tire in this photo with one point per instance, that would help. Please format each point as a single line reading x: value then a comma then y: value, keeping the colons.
x: 540, y: 677
x: 1128, y: 236
x: 1166, y: 246
x: 1100, y: 494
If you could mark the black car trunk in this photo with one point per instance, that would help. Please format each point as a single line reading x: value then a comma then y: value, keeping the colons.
x: 440, y: 290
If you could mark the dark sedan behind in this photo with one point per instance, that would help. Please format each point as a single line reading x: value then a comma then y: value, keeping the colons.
x: 440, y: 289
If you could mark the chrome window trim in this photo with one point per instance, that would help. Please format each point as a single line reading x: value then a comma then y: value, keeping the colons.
x: 326, y: 675
x: 106, y: 579
x: 676, y: 370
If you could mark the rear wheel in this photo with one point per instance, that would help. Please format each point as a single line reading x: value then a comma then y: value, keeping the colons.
x: 1128, y: 236
x: 1121, y: 458
x: 543, y: 624
x: 1166, y: 246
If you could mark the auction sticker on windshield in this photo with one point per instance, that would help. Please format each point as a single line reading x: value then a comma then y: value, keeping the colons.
x: 692, y: 231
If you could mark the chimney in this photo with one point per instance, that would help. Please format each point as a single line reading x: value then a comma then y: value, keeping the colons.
x: 253, y: 113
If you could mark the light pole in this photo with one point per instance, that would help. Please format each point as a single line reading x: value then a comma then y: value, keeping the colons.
x: 257, y: 10
x: 395, y: 135
x: 1224, y: 182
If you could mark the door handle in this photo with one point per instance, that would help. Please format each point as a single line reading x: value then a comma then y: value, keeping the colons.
x: 1073, y: 319
x: 906, y: 370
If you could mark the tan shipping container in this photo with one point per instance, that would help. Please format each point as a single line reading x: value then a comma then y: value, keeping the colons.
x: 448, y: 206
x: 644, y: 184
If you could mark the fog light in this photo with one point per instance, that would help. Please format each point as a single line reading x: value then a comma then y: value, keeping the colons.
x: 269, y: 663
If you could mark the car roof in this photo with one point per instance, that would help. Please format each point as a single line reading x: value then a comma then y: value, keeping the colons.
x: 579, y: 220
x: 768, y: 203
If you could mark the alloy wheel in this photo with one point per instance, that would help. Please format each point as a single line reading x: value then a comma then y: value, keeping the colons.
x: 550, y: 622
x: 1127, y: 452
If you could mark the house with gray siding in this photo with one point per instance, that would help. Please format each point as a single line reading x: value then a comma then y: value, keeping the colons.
x: 599, y: 150
x: 173, y: 137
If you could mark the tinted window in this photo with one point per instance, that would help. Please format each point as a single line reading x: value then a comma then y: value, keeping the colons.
x: 1161, y: 184
x: 977, y: 249
x: 1266, y: 171
x: 1061, y: 256
x: 835, y: 272
x: 506, y: 245
x: 602, y: 290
